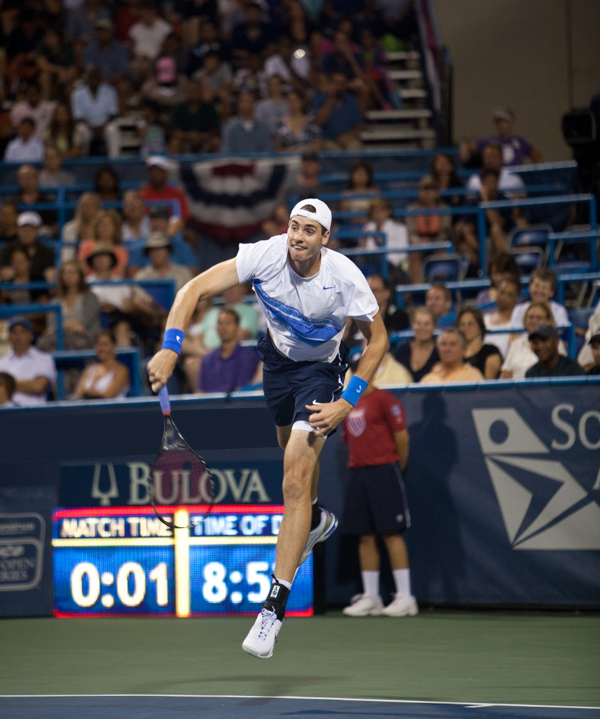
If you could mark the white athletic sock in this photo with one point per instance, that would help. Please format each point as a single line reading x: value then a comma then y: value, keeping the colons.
x: 370, y: 582
x: 315, y: 500
x: 283, y: 581
x: 402, y: 579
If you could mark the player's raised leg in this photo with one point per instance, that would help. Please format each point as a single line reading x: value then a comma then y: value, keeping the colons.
x: 300, y: 459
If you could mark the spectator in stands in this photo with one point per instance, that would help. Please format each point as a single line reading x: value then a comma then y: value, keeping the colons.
x: 253, y: 35
x: 34, y: 371
x: 438, y: 300
x: 159, y: 248
x: 394, y: 319
x: 217, y: 78
x: 209, y: 40
x: 308, y: 183
x: 396, y: 237
x: 542, y: 287
x: 25, y: 147
x: 21, y: 45
x: 20, y: 265
x: 499, y: 267
x: 499, y: 222
x: 157, y: 188
x: 594, y: 343
x: 378, y: 440
x: 161, y: 221
x: 81, y: 22
x: 544, y: 343
x: 136, y: 223
x: 148, y: 34
x: 243, y: 133
x: 231, y: 366
x: 452, y: 367
x: 40, y: 256
x: 8, y: 387
x: 8, y: 223
x: 520, y: 356
x: 492, y: 160
x: 485, y: 357
x: 106, y: 184
x: 124, y: 306
x: 420, y: 354
x: 165, y: 88
x: 346, y: 61
x: 63, y: 133
x: 95, y: 106
x: 274, y: 108
x: 28, y: 179
x: 426, y: 228
x: 52, y: 174
x: 107, y: 378
x: 36, y: 109
x: 56, y: 63
x: 509, y: 290
x: 292, y: 67
x: 515, y: 150
x: 443, y: 171
x: 80, y: 311
x: 361, y: 181
x: 585, y: 356
x: 194, y: 123
x: 151, y: 130
x: 297, y: 131
x: 339, y: 115
x: 81, y: 227
x: 389, y: 373
x: 107, y: 54
x: 106, y: 233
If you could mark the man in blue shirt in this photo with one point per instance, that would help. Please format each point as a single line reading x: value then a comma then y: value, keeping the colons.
x: 338, y: 113
x: 106, y: 53
x: 230, y: 366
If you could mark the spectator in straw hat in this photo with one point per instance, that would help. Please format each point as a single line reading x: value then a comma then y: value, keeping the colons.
x: 159, y: 249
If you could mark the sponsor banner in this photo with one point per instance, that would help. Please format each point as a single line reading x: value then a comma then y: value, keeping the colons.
x: 241, y: 477
x: 25, y: 556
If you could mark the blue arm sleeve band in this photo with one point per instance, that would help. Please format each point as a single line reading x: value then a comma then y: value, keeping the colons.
x: 173, y: 339
x: 354, y: 390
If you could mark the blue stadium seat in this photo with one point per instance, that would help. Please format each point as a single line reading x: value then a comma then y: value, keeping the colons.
x: 580, y: 317
x: 528, y: 259
x: 447, y: 268
x: 533, y: 236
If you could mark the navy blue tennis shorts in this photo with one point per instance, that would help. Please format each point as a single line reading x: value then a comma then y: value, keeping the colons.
x: 289, y: 385
x: 375, y: 501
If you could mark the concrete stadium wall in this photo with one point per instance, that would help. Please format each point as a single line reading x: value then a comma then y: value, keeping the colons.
x: 521, y: 54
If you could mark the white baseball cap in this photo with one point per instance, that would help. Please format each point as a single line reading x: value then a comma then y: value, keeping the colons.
x: 322, y: 214
x: 158, y: 161
x: 29, y: 218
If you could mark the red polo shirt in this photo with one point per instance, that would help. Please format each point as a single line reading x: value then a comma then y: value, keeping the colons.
x: 167, y: 193
x: 369, y: 429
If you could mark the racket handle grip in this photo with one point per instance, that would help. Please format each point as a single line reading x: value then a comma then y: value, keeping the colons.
x: 165, y: 402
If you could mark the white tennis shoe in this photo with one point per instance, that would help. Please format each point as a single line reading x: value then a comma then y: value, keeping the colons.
x: 364, y: 605
x: 262, y: 637
x: 402, y: 606
x: 326, y: 527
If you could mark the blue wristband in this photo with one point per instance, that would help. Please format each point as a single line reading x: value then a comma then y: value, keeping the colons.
x: 173, y: 339
x: 354, y: 390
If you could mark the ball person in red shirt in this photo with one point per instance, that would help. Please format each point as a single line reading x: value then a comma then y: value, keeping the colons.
x: 378, y: 443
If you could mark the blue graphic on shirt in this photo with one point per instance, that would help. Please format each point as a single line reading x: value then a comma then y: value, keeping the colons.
x: 313, y: 332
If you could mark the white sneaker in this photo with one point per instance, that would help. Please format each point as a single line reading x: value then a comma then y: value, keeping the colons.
x: 363, y: 605
x: 263, y: 636
x: 326, y: 527
x: 402, y: 606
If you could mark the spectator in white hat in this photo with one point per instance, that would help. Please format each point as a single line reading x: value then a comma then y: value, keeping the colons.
x: 157, y: 188
x: 40, y: 256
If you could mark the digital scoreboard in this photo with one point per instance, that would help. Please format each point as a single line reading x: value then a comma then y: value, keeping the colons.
x: 122, y: 562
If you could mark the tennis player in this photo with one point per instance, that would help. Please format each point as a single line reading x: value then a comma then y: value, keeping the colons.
x: 307, y: 292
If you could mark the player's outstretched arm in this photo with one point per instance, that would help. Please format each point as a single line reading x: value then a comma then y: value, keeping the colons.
x: 326, y: 417
x: 208, y: 284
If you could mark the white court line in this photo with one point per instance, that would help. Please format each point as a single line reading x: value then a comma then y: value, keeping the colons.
x: 467, y: 705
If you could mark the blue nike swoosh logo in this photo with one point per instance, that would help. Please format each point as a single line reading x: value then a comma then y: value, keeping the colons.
x: 329, y: 288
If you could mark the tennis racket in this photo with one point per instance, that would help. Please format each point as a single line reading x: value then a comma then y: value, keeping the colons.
x: 175, y: 458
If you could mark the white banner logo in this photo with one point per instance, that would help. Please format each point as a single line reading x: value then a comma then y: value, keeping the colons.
x: 570, y: 519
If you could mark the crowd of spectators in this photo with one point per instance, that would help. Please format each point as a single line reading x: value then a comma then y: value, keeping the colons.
x: 194, y: 76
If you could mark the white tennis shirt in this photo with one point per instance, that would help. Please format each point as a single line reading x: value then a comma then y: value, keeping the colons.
x: 306, y: 316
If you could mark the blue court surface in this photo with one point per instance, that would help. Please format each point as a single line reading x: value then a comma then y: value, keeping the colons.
x: 256, y: 707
